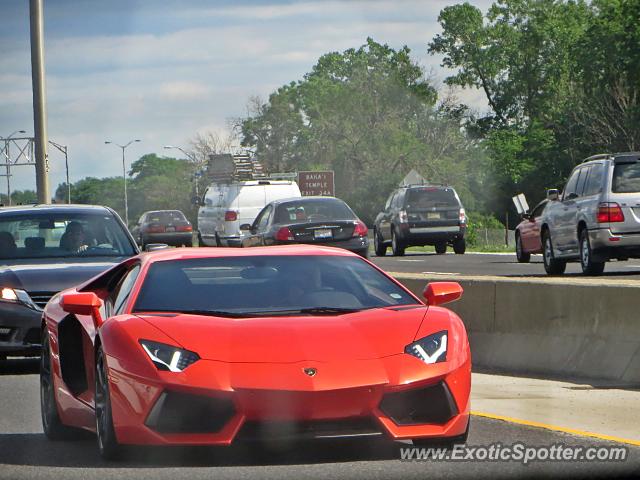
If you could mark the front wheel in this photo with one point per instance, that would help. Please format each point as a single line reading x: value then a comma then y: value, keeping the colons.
x: 378, y: 245
x: 396, y: 245
x: 589, y: 266
x: 108, y: 445
x: 521, y: 255
x: 552, y: 265
x: 53, y: 427
x: 459, y: 246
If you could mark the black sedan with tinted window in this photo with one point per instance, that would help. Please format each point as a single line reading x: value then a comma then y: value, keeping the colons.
x: 315, y: 220
x: 45, y: 249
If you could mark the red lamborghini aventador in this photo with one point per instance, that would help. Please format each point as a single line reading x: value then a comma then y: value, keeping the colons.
x: 210, y: 346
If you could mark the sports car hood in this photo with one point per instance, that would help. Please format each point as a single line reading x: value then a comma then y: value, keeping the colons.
x: 51, y: 277
x: 363, y: 335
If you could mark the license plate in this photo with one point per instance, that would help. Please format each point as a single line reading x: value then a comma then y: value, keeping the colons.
x: 322, y: 233
x: 433, y: 216
x: 170, y: 229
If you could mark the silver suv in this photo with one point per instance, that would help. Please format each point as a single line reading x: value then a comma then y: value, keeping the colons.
x: 597, y: 216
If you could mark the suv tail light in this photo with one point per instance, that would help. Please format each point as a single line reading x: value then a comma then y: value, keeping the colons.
x: 403, y: 217
x: 610, y: 213
x: 184, y: 228
x: 284, y: 235
x: 230, y: 216
x: 462, y: 217
x: 361, y: 229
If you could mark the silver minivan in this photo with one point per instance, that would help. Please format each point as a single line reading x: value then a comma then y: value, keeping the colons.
x: 597, y: 216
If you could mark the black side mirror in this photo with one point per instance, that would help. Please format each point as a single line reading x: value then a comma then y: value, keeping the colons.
x: 245, y: 226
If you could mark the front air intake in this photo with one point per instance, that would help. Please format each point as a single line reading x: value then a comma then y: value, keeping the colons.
x: 427, y: 405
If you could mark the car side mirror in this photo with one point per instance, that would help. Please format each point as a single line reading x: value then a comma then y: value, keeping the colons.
x: 245, y: 226
x: 553, y: 194
x: 196, y: 201
x: 150, y: 247
x: 83, y: 303
x: 438, y: 293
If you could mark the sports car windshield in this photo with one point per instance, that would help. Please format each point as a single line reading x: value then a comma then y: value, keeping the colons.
x: 60, y: 235
x: 267, y: 285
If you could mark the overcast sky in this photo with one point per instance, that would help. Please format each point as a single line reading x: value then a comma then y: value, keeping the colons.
x: 163, y: 70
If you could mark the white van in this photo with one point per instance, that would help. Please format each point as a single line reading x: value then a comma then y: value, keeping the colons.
x: 226, y: 206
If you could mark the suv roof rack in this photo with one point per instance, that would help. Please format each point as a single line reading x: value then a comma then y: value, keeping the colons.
x: 426, y: 184
x: 599, y: 156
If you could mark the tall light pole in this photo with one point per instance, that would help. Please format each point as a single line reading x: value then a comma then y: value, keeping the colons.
x: 8, y: 159
x: 124, y: 176
x: 191, y: 157
x: 63, y: 149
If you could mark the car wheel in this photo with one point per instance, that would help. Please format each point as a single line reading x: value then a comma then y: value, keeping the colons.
x: 441, y: 248
x: 378, y: 245
x: 521, y: 255
x: 51, y: 423
x: 188, y: 244
x: 589, y: 266
x: 459, y: 246
x: 107, y: 442
x: 552, y: 265
x: 396, y: 245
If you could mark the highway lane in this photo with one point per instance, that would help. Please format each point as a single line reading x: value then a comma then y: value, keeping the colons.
x: 26, y: 453
x: 503, y: 264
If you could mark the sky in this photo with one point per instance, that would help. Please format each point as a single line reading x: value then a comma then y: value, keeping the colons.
x: 163, y: 70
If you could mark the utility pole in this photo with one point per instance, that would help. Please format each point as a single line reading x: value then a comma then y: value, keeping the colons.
x: 124, y: 177
x: 64, y: 149
x: 39, y: 100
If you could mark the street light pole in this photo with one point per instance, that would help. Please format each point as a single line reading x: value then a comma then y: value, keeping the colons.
x: 8, y: 159
x: 190, y: 157
x: 63, y: 149
x: 124, y: 176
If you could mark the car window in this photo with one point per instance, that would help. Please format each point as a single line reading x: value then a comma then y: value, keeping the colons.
x: 263, y: 219
x: 165, y: 217
x: 626, y: 178
x: 594, y: 182
x: 431, y: 197
x: 123, y: 290
x: 398, y: 200
x: 570, y: 188
x: 584, y: 173
x: 387, y: 205
x: 538, y: 210
x: 62, y: 234
x: 312, y: 210
x: 267, y: 283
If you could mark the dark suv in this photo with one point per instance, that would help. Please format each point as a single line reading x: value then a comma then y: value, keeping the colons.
x: 419, y: 215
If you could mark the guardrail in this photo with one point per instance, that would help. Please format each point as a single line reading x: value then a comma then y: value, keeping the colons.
x: 553, y: 327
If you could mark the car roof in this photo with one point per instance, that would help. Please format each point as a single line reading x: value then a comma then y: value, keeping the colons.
x: 303, y: 199
x: 54, y: 208
x: 430, y: 186
x: 217, y: 252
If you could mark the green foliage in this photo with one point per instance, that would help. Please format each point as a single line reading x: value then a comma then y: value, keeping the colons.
x: 477, y: 222
x: 20, y: 197
x: 370, y: 115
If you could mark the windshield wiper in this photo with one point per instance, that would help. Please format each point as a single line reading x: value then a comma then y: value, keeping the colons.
x: 304, y: 311
x: 212, y: 313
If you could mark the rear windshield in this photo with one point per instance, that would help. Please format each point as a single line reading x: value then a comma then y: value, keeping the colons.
x: 429, y: 197
x: 165, y: 217
x: 267, y: 284
x: 313, y: 210
x: 626, y: 178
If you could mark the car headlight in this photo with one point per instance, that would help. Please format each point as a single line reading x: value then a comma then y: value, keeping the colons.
x: 168, y: 357
x: 15, y: 295
x: 431, y: 349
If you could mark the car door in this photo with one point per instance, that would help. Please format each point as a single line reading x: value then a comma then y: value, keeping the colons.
x: 564, y: 222
x: 260, y: 229
x: 135, y: 231
x: 384, y: 221
x: 530, y: 230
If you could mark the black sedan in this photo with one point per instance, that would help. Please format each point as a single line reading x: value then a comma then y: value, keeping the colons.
x: 316, y: 220
x: 45, y: 249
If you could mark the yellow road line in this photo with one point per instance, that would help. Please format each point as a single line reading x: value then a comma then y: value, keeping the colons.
x: 557, y: 428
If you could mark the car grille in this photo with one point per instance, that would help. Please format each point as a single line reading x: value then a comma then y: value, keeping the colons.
x: 282, y: 430
x: 5, y: 334
x: 41, y: 298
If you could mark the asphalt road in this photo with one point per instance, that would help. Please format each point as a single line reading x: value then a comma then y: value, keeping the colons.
x: 26, y: 453
x: 492, y: 264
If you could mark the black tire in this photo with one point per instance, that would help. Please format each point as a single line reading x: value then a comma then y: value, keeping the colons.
x: 459, y: 246
x: 447, y: 443
x: 552, y: 265
x: 589, y: 266
x: 200, y: 242
x: 108, y: 445
x: 441, y: 248
x: 521, y: 255
x: 188, y: 244
x: 378, y: 245
x: 396, y: 245
x: 53, y: 427
x: 218, y: 242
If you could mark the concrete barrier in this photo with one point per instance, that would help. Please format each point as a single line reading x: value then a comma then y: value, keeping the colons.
x: 560, y: 327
